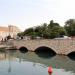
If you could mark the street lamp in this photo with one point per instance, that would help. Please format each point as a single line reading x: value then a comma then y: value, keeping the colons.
x: 9, y: 29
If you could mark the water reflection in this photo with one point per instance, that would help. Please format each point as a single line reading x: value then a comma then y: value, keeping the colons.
x: 45, y: 52
x: 17, y: 63
x: 23, y: 50
x: 57, y: 62
x: 44, y: 55
x: 72, y: 56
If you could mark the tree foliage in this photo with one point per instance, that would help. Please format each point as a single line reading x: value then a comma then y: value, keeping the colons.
x: 70, y: 27
x: 51, y: 30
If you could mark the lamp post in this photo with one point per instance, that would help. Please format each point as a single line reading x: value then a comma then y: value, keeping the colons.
x: 9, y: 29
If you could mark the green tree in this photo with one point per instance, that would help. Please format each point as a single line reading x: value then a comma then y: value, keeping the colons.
x: 20, y: 34
x: 70, y: 27
x: 55, y: 30
x: 29, y: 31
x: 62, y: 31
x: 41, y: 30
x: 51, y: 30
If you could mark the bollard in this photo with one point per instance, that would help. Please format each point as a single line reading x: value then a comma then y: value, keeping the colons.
x: 50, y: 70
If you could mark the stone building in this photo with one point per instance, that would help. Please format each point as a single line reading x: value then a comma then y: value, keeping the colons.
x: 10, y: 30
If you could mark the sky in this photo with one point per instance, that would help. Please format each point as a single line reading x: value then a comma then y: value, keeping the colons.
x: 29, y: 13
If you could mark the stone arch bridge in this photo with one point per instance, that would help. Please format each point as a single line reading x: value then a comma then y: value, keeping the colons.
x: 60, y: 46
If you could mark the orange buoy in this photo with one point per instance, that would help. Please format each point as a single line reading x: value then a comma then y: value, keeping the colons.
x: 50, y: 70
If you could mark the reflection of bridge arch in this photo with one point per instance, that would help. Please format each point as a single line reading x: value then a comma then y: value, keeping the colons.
x: 45, y: 52
x: 54, y: 62
x: 23, y: 49
x: 72, y: 55
x: 44, y: 49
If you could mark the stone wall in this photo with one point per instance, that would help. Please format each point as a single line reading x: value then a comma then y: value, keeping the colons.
x: 60, y: 46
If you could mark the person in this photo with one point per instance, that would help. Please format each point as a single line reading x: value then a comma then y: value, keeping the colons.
x: 2, y: 40
x: 50, y: 70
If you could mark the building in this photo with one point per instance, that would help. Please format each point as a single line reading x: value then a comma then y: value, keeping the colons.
x: 10, y: 30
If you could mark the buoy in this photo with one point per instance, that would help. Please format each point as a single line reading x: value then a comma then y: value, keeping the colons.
x: 50, y: 70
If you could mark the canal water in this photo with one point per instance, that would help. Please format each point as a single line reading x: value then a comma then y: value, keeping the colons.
x: 29, y: 63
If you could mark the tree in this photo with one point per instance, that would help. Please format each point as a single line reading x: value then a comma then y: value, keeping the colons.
x: 51, y: 30
x: 28, y: 31
x: 70, y: 27
x: 62, y: 32
x: 55, y: 30
x: 20, y: 34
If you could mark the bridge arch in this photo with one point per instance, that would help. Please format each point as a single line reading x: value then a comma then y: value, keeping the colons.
x: 71, y: 53
x: 45, y: 48
x: 45, y: 51
x: 23, y: 49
